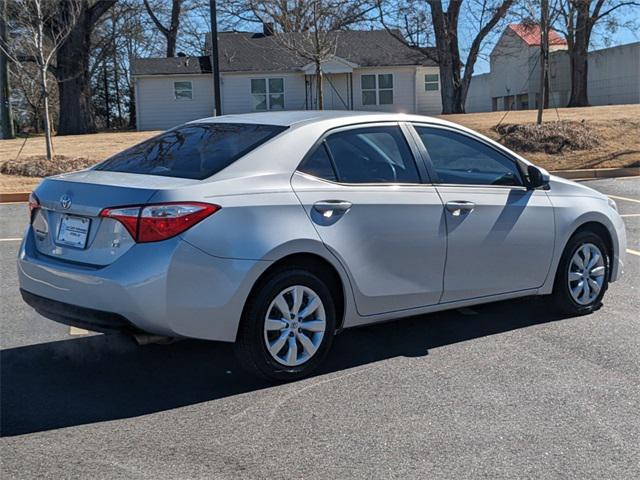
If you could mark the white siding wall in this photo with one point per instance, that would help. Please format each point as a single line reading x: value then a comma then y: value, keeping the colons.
x: 510, y: 66
x: 236, y: 91
x: 614, y: 75
x: 428, y: 102
x: 157, y: 109
x: 479, y: 95
x: 404, y: 88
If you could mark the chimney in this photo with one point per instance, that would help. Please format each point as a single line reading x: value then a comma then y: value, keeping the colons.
x: 267, y: 29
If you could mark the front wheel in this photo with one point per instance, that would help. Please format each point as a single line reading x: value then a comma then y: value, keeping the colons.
x: 287, y: 326
x: 583, y: 274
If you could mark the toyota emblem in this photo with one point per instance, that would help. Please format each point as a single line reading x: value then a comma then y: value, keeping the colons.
x: 65, y: 201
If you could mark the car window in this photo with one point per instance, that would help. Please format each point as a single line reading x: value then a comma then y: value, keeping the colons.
x: 318, y: 164
x: 191, y: 151
x: 458, y: 158
x: 372, y: 155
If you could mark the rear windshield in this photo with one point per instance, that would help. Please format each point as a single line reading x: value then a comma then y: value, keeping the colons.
x: 196, y: 150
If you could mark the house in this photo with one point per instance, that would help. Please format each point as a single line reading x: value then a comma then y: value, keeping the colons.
x: 369, y: 70
x: 513, y: 82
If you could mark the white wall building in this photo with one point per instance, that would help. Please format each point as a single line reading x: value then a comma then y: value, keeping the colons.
x: 514, y: 77
x: 370, y: 70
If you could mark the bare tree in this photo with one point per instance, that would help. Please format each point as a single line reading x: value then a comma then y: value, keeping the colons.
x: 455, y: 75
x: 579, y: 17
x: 39, y: 43
x: 309, y: 30
x: 29, y: 106
x: 171, y: 32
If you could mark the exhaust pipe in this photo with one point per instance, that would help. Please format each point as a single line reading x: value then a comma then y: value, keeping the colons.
x: 147, y: 339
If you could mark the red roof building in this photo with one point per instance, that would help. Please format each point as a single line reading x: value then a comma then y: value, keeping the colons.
x: 531, y: 34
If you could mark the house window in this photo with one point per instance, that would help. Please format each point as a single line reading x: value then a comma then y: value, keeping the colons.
x: 267, y: 93
x: 377, y: 89
x: 431, y: 82
x: 183, y: 90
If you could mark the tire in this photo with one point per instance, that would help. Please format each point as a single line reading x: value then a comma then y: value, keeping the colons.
x: 564, y: 299
x: 254, y: 334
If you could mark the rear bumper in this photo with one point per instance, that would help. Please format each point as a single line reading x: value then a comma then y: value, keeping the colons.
x: 95, y: 320
x: 166, y: 288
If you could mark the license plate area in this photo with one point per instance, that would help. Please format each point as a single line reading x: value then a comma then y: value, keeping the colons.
x: 73, y: 231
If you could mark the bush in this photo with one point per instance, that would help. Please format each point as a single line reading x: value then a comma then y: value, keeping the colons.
x: 549, y: 137
x: 39, y: 166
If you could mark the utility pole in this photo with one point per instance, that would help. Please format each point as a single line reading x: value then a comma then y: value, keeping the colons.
x: 214, y: 56
x: 6, y: 119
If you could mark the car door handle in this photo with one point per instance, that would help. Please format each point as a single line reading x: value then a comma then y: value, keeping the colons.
x: 330, y: 207
x: 460, y: 207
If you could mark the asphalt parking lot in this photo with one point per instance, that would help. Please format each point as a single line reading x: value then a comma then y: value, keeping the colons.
x: 507, y: 390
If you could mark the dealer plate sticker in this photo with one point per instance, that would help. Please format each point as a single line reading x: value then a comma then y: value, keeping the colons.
x: 74, y: 231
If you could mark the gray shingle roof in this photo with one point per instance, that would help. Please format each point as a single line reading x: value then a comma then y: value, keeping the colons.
x: 255, y: 52
x: 170, y: 66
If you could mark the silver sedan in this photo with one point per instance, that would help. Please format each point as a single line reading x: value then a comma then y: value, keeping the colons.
x: 277, y: 230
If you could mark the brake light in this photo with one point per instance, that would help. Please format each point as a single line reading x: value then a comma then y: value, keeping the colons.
x: 152, y: 223
x: 33, y: 202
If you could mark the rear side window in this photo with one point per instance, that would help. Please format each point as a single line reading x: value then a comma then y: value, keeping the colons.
x: 191, y: 151
x: 318, y: 164
x: 370, y: 155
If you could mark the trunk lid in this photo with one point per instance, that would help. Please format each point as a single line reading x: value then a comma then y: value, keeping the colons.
x: 68, y: 226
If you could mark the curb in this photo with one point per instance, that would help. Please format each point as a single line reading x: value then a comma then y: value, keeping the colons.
x: 568, y: 174
x: 588, y: 173
x: 14, y: 197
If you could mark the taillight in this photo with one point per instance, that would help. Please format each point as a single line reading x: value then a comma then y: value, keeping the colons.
x: 33, y: 202
x: 152, y: 223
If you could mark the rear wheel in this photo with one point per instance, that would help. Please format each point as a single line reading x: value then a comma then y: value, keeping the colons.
x: 583, y: 274
x: 287, y: 326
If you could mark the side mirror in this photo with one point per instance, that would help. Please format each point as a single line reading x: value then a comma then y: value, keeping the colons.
x: 537, y: 177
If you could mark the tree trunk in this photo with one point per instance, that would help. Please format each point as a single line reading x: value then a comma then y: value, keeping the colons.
x: 6, y: 119
x: 107, y: 107
x: 73, y: 82
x: 132, y: 106
x: 47, y: 122
x: 320, y: 92
x: 72, y: 72
x: 451, y: 88
x: 544, y: 58
x: 172, y: 37
x: 578, y: 56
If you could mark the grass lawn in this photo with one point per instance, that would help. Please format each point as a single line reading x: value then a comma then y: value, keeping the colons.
x: 617, y: 126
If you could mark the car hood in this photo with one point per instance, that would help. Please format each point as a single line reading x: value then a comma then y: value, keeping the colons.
x: 568, y: 188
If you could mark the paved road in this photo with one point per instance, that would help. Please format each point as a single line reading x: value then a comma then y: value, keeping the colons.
x: 505, y: 391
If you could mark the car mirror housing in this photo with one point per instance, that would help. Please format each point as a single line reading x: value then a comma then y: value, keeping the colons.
x: 537, y: 177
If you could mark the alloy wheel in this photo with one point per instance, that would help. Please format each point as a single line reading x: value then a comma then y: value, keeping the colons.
x: 294, y: 325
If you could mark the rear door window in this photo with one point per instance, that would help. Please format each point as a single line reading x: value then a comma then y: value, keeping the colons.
x: 196, y: 150
x: 372, y: 155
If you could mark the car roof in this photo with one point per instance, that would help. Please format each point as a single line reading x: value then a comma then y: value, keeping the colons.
x: 304, y: 117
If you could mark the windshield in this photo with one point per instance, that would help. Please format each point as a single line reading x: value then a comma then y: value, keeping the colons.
x: 195, y: 150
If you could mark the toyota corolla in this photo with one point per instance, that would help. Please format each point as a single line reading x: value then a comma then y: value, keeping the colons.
x: 277, y: 230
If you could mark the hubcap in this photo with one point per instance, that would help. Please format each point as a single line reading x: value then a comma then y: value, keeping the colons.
x: 586, y: 274
x: 294, y: 325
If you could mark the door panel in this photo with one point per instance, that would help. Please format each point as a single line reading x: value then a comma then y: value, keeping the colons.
x: 390, y: 238
x: 504, y: 244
